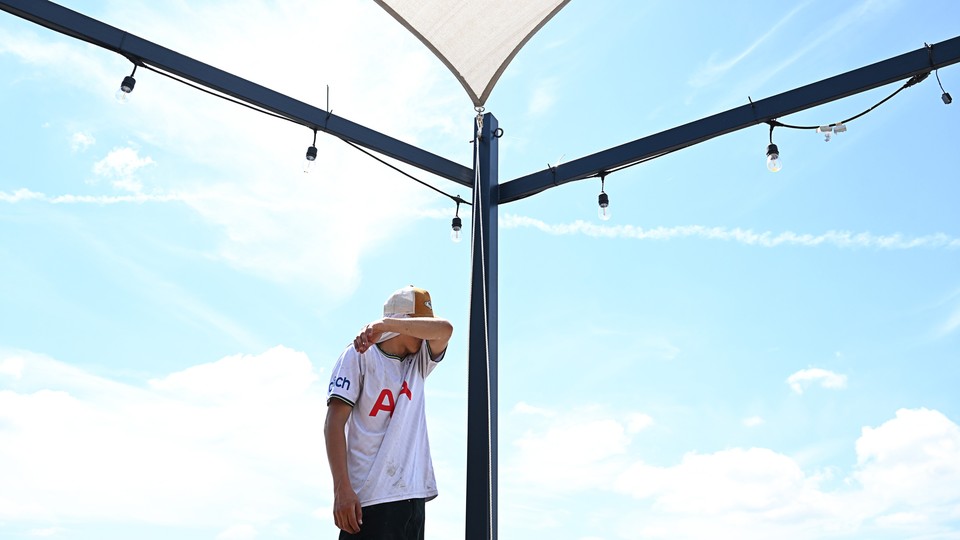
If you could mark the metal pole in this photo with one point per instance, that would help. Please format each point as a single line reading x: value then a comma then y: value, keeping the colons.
x: 481, y: 511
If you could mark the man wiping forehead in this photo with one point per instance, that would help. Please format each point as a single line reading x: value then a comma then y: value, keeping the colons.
x: 376, y: 430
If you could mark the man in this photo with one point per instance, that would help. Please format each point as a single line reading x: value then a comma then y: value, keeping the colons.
x: 381, y: 467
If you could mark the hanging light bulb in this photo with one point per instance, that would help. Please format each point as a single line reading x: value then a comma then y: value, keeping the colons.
x: 457, y: 224
x: 311, y: 158
x: 773, y: 158
x: 455, y: 230
x: 603, y: 211
x: 311, y: 154
x: 773, y: 153
x: 123, y: 93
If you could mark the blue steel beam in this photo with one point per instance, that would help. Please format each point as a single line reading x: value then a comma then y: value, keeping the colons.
x: 898, y: 68
x: 481, y: 510
x: 141, y: 51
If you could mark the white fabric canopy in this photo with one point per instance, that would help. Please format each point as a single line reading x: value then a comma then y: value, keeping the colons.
x: 476, y: 39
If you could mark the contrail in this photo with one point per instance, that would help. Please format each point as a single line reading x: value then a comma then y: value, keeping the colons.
x: 28, y: 195
x: 841, y: 239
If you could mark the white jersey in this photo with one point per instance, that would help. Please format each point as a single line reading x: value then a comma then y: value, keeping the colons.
x: 388, y: 454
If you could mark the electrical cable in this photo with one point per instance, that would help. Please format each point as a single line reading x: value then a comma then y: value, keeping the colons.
x: 910, y: 82
x: 282, y: 117
x: 219, y: 95
x: 456, y: 198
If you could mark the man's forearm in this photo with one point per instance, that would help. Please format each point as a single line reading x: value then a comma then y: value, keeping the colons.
x: 428, y: 328
x: 336, y: 443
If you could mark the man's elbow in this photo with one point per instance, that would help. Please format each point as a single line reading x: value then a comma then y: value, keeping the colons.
x: 446, y: 328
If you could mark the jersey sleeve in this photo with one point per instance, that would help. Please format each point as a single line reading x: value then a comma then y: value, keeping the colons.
x: 346, y: 379
x: 426, y: 360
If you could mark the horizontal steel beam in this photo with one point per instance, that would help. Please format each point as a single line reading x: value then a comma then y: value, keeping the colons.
x: 141, y: 51
x: 898, y: 68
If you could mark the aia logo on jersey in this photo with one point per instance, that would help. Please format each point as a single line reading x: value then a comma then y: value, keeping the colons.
x: 339, y: 382
x: 385, y: 401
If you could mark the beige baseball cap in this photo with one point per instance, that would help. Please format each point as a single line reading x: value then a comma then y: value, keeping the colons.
x: 410, y: 301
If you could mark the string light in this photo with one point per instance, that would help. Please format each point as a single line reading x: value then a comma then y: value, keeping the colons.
x: 603, y: 201
x: 946, y: 95
x: 774, y: 163
x: 773, y: 155
x: 457, y: 224
x: 123, y: 93
x: 311, y: 154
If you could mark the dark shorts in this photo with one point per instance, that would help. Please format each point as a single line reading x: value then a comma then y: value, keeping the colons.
x: 398, y: 520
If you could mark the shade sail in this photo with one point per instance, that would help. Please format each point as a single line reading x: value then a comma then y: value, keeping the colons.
x: 476, y: 39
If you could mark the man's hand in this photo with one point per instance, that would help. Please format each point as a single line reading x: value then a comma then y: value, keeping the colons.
x: 347, y: 513
x: 368, y: 336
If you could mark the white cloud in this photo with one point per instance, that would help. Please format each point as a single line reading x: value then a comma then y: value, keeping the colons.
x: 238, y: 532
x: 754, y: 479
x: 524, y: 408
x: 21, y: 194
x: 12, y: 366
x: 120, y: 166
x: 121, y: 162
x: 916, y: 453
x: 544, y: 97
x: 571, y: 450
x: 637, y: 422
x: 826, y: 379
x: 239, y: 170
x: 907, y: 478
x: 752, y: 421
x: 237, y: 439
x: 80, y: 141
x: 840, y: 239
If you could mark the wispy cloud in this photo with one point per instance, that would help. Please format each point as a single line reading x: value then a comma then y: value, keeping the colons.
x: 768, y: 239
x: 753, y: 421
x: 46, y: 532
x: 244, y: 531
x: 952, y: 321
x: 951, y: 324
x: 80, y: 141
x: 825, y: 378
x: 818, y: 36
x: 543, y: 98
x: 716, y: 69
x: 23, y: 195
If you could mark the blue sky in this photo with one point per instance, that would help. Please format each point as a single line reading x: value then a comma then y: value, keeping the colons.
x: 735, y: 353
